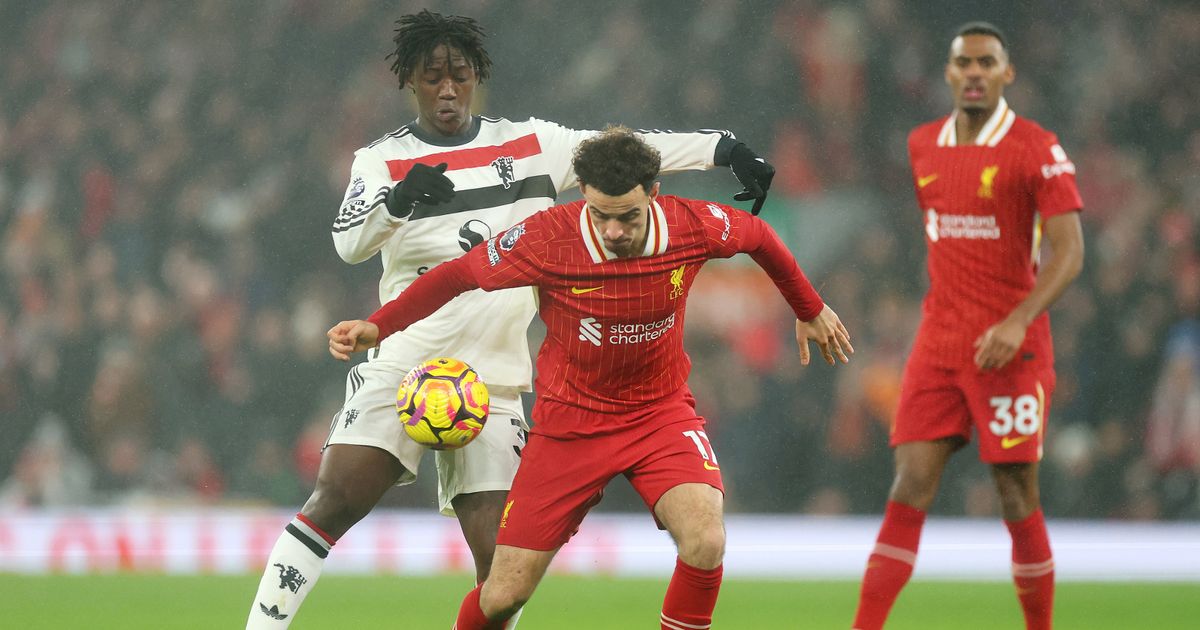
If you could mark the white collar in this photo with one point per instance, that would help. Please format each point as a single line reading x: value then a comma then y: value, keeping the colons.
x: 992, y: 133
x: 656, y: 234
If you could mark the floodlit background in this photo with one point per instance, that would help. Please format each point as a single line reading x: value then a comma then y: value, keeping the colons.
x: 169, y: 173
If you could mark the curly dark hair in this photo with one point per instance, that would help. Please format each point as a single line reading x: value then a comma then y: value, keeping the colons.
x: 615, y: 161
x: 418, y: 34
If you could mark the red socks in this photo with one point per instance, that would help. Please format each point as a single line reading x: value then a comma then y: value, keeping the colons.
x: 471, y: 617
x: 890, y: 564
x: 1033, y: 569
x: 691, y: 598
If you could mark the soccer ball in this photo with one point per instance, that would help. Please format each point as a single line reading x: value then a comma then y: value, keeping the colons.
x: 442, y: 403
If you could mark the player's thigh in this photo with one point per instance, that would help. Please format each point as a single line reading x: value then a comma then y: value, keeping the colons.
x: 1010, y: 409
x: 691, y: 509
x: 931, y: 407
x: 672, y: 455
x: 557, y: 483
x: 490, y: 461
x: 368, y: 416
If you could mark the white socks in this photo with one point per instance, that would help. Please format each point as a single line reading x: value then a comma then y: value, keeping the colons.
x: 292, y: 569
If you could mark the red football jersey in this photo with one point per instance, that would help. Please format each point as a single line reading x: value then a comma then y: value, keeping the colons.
x: 983, y: 206
x: 614, y: 340
x: 614, y: 326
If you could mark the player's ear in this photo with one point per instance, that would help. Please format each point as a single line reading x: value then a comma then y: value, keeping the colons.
x: 654, y: 190
x: 1010, y: 73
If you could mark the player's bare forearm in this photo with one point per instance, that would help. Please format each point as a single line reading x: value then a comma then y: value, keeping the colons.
x: 1065, y: 235
x: 999, y: 344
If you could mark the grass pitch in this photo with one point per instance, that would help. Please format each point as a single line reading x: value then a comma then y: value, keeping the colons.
x: 150, y: 601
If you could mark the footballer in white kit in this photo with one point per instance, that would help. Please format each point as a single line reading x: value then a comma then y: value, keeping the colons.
x: 502, y: 172
x: 419, y: 196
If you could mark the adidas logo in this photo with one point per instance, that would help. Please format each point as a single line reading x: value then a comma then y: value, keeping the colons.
x: 272, y: 612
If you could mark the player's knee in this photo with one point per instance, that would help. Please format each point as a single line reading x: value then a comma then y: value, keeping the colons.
x: 501, y: 599
x: 915, y: 487
x: 703, y: 547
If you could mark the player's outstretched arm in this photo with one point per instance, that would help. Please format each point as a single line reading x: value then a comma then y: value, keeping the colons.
x: 348, y: 337
x: 829, y: 333
x: 425, y: 295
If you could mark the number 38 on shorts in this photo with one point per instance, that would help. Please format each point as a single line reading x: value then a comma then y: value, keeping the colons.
x: 1017, y: 423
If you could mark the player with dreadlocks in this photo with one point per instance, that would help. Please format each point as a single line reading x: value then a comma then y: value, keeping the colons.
x: 420, y: 196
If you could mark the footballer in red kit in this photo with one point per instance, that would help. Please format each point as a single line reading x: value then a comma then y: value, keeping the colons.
x: 990, y: 185
x: 612, y: 273
x: 984, y: 205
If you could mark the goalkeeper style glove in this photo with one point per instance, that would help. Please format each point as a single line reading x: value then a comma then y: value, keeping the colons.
x: 753, y: 172
x: 423, y: 184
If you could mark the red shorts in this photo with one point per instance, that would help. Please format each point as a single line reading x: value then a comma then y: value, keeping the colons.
x: 1007, y: 407
x: 559, y: 480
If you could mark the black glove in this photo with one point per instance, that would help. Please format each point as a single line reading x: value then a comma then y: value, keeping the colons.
x: 424, y: 184
x: 754, y: 173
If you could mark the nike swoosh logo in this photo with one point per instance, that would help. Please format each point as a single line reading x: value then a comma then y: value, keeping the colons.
x: 709, y: 466
x: 1008, y: 442
x: 578, y: 291
x: 925, y: 181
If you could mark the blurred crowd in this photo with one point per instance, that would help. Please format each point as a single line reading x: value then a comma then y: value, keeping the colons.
x: 169, y: 174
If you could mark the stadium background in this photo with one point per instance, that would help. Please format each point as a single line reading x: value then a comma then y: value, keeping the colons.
x: 169, y: 173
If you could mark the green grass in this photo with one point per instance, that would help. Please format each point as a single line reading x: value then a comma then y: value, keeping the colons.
x: 146, y: 601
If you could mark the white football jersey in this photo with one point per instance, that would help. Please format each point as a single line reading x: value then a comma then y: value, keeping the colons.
x: 503, y: 171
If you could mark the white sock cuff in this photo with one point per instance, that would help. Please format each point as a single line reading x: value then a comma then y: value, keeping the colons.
x: 316, y: 540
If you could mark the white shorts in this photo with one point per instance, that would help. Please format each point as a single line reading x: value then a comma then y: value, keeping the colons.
x: 368, y: 418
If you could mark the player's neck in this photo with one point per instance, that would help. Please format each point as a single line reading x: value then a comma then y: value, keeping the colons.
x: 969, y: 122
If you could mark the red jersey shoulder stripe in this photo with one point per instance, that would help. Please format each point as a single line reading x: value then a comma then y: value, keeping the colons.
x: 522, y: 147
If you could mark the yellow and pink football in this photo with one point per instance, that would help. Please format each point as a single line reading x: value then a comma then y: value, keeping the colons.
x: 443, y: 404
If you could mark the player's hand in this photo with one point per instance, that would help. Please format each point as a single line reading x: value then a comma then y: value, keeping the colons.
x: 423, y: 184
x: 999, y: 344
x: 829, y: 333
x: 348, y: 337
x: 754, y: 173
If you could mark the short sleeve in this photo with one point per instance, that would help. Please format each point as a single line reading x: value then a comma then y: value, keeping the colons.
x: 1054, y: 188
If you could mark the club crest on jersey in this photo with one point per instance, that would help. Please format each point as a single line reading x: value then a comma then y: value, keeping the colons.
x: 472, y: 233
x: 677, y: 281
x: 510, y: 237
x: 504, y: 168
x: 986, y: 179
